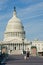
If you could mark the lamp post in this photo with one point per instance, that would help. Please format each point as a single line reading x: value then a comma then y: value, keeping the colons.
x: 1, y: 47
x: 23, y: 44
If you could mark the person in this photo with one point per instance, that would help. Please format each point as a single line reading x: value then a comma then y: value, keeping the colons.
x: 1, y: 58
x: 27, y: 53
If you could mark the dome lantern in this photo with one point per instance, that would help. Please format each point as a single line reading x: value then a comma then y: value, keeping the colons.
x: 14, y: 13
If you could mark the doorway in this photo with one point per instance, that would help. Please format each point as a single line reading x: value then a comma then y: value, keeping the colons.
x: 15, y: 48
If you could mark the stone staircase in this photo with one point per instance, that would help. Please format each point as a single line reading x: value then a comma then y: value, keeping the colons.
x: 16, y: 52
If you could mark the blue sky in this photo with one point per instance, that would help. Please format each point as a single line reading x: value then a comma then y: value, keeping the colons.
x: 30, y: 13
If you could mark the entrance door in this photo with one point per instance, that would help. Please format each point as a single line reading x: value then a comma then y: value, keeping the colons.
x: 15, y: 48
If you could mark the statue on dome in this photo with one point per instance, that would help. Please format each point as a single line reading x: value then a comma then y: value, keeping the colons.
x: 14, y: 8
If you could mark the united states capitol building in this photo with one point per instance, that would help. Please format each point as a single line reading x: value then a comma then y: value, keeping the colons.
x: 15, y: 40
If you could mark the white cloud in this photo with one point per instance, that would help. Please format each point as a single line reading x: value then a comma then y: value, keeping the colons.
x: 34, y: 10
x: 34, y: 29
x: 5, y: 16
x: 4, y: 19
x: 30, y: 0
x: 26, y: 0
x: 2, y: 4
x: 3, y: 1
x: 2, y: 7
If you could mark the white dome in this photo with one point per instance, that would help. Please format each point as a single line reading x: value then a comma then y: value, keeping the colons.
x: 14, y: 25
x: 14, y: 28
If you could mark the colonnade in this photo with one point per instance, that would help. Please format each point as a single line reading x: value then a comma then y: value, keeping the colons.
x: 15, y: 47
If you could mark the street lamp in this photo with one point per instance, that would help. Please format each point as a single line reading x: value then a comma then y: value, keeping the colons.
x: 23, y: 44
x: 1, y: 47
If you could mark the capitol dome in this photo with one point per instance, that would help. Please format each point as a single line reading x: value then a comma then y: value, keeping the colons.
x: 14, y: 28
